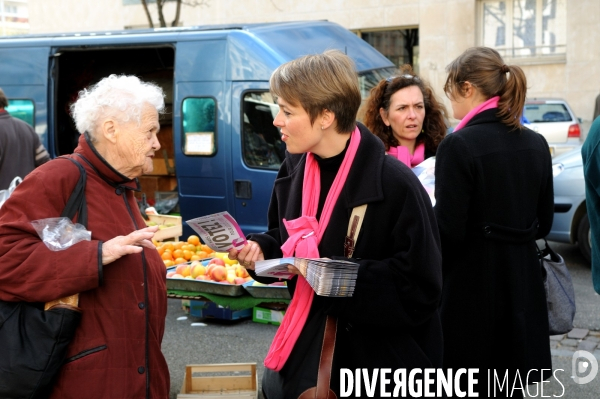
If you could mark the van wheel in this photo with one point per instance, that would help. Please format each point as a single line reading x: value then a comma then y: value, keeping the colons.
x: 584, y: 238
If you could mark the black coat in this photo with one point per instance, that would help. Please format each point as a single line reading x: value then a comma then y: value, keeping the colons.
x: 392, y: 320
x: 494, y: 197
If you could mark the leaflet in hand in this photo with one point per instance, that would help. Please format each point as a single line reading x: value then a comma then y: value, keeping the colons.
x: 327, y: 277
x: 219, y: 231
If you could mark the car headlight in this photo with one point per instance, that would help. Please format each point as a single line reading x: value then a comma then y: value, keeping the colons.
x: 557, y: 169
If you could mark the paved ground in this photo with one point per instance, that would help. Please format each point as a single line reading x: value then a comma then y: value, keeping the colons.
x: 216, y: 341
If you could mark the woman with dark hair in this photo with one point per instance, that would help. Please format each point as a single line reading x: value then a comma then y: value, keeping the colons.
x: 494, y: 192
x: 333, y: 166
x: 405, y: 114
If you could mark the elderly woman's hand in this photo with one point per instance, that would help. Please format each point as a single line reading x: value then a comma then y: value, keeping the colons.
x: 132, y: 243
x: 250, y: 253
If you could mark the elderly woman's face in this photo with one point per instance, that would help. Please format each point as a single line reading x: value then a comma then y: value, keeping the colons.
x: 136, y: 144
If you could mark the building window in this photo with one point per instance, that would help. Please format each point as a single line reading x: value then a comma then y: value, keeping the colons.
x: 199, y: 129
x: 524, y: 28
x: 399, y: 45
x: 261, y: 141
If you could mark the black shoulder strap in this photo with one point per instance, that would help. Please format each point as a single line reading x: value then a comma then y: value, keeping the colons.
x: 76, y: 205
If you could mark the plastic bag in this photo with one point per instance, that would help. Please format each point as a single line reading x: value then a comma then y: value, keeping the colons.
x: 60, y: 233
x: 425, y: 172
x: 4, y: 194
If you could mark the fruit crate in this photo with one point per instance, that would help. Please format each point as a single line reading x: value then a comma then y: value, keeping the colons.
x: 219, y: 381
x: 174, y: 229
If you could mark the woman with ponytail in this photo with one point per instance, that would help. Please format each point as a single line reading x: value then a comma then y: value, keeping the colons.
x: 494, y: 193
x: 404, y: 113
x: 332, y: 166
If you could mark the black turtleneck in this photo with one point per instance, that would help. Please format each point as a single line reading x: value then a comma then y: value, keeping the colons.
x: 329, y: 168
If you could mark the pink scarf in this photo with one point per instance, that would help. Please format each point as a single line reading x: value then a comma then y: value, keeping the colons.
x: 404, y: 156
x: 305, y: 234
x: 491, y: 103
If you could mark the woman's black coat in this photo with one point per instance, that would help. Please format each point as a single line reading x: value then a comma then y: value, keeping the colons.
x: 494, y: 197
x: 392, y: 320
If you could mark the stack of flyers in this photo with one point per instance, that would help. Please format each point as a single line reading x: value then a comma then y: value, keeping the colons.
x: 219, y: 231
x: 327, y: 277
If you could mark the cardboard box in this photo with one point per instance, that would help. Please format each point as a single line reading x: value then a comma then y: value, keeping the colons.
x: 212, y: 381
x: 171, y: 232
x: 212, y: 310
x: 267, y: 316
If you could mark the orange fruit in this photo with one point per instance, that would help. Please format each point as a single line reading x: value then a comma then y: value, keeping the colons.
x: 168, y: 246
x: 193, y: 239
x: 178, y: 253
x: 166, y: 256
x: 180, y: 260
x: 179, y: 244
x: 206, y: 249
x: 202, y: 254
x: 190, y: 247
x: 168, y: 263
x: 195, y: 257
x: 160, y: 250
x: 187, y: 254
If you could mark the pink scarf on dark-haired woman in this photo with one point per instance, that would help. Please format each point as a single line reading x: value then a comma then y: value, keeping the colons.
x: 305, y: 233
x: 403, y: 155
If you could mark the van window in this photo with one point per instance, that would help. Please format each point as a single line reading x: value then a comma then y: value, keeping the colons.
x: 261, y: 141
x: 199, y: 131
x: 22, y: 109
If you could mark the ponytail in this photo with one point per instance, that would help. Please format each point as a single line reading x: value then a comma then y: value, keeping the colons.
x: 512, y: 99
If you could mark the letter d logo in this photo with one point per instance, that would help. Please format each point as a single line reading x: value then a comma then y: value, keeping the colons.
x: 583, y: 366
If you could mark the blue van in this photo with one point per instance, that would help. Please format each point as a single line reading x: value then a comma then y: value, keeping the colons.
x: 220, y: 150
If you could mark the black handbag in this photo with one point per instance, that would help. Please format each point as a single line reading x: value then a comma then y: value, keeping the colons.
x: 560, y: 294
x: 34, y: 341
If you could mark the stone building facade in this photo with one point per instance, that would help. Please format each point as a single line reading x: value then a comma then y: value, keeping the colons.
x: 556, y: 42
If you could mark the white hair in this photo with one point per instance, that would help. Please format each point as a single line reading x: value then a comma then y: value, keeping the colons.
x: 121, y: 97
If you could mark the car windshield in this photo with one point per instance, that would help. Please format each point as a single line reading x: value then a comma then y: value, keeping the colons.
x: 547, y: 112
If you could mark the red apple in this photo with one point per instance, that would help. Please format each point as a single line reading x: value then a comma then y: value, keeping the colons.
x: 239, y: 280
x: 219, y: 273
x: 217, y: 261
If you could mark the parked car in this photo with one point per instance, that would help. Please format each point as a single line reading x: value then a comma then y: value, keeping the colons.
x: 555, y: 120
x: 571, y: 223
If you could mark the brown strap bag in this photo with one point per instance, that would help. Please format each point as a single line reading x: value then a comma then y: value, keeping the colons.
x: 322, y: 390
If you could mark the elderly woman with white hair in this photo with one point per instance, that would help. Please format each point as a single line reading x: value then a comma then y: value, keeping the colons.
x: 120, y: 278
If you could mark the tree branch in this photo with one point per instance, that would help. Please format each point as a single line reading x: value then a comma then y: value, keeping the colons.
x: 161, y: 17
x: 177, y: 12
x: 147, y: 13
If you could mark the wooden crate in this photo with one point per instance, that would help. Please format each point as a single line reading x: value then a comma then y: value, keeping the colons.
x: 220, y: 381
x: 173, y: 232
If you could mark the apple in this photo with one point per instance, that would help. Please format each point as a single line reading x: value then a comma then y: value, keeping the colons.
x: 176, y: 275
x: 239, y: 280
x: 240, y: 271
x: 249, y: 278
x: 231, y: 276
x: 183, y: 269
x: 202, y: 277
x: 198, y: 270
x: 217, y: 261
x: 219, y: 273
x: 170, y: 274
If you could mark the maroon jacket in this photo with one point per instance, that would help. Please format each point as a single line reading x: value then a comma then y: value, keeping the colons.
x: 116, y: 352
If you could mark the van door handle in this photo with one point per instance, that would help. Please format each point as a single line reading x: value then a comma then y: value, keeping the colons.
x: 243, y: 189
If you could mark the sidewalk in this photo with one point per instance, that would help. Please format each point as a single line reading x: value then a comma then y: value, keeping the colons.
x: 577, y: 339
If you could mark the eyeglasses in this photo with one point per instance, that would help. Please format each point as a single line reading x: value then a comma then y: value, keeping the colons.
x: 405, y: 76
